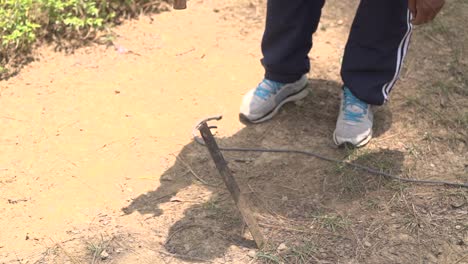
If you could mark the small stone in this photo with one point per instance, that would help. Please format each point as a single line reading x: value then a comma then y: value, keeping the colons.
x: 284, y: 198
x: 432, y: 165
x: 104, y: 255
x: 404, y: 237
x: 282, y: 247
x: 121, y: 49
x: 252, y: 253
x: 367, y: 244
x: 119, y: 250
x: 340, y: 22
x: 458, y: 227
x: 393, y: 214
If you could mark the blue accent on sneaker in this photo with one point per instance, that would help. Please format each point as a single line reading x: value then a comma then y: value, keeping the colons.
x: 268, y: 88
x: 351, y: 103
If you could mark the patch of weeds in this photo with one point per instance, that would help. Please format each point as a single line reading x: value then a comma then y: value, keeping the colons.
x: 412, y: 218
x: 382, y: 160
x: 443, y: 106
x: 411, y: 222
x: 332, y: 222
x: 358, y: 181
x: 301, y: 254
x: 429, y: 137
x: 210, y: 205
x: 269, y: 257
x: 24, y: 22
x: 350, y: 154
x: 414, y: 151
x: 371, y: 204
x: 213, y: 207
x: 95, y: 249
x: 379, y: 161
x: 353, y: 183
x: 215, y: 210
x: 49, y: 252
x: 462, y: 119
x: 449, y: 88
x: 397, y: 186
x: 455, y: 198
x: 425, y: 109
x: 412, y: 101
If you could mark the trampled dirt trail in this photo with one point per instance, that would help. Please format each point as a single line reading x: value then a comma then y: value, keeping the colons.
x: 96, y: 150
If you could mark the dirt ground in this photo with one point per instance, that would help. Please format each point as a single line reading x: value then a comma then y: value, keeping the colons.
x: 98, y: 164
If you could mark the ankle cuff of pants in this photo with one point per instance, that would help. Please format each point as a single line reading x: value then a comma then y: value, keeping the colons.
x: 367, y: 95
x: 283, y: 78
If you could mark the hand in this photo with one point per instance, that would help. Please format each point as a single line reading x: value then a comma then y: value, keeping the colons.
x: 424, y: 10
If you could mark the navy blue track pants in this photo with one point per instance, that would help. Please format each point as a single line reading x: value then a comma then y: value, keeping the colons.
x: 374, y: 54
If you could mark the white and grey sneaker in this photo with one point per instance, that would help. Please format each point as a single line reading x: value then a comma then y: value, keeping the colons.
x: 262, y: 103
x: 354, y: 125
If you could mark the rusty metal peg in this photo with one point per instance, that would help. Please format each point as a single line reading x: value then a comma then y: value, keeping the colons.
x: 239, y: 198
x: 180, y: 4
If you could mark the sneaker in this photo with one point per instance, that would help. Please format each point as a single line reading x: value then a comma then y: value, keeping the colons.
x: 262, y: 103
x: 354, y: 125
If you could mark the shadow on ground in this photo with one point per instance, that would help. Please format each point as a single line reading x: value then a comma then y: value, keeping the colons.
x: 291, y: 186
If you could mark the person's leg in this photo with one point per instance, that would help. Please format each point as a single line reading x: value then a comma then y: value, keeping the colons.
x: 376, y: 49
x: 288, y: 38
x: 286, y: 43
x: 373, y: 58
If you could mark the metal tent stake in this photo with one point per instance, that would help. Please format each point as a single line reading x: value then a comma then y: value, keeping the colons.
x: 231, y: 184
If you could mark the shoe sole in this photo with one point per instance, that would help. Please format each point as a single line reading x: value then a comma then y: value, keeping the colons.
x: 293, y: 97
x: 360, y: 144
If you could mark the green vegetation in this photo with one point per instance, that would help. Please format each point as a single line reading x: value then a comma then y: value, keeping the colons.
x: 332, y: 222
x: 24, y: 22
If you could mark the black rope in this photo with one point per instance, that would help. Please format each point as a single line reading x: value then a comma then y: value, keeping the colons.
x: 319, y: 156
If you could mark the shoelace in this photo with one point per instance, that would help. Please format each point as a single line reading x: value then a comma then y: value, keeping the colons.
x: 267, y: 88
x: 349, y: 102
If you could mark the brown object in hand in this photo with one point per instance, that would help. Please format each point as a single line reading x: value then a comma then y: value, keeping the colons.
x: 180, y: 4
